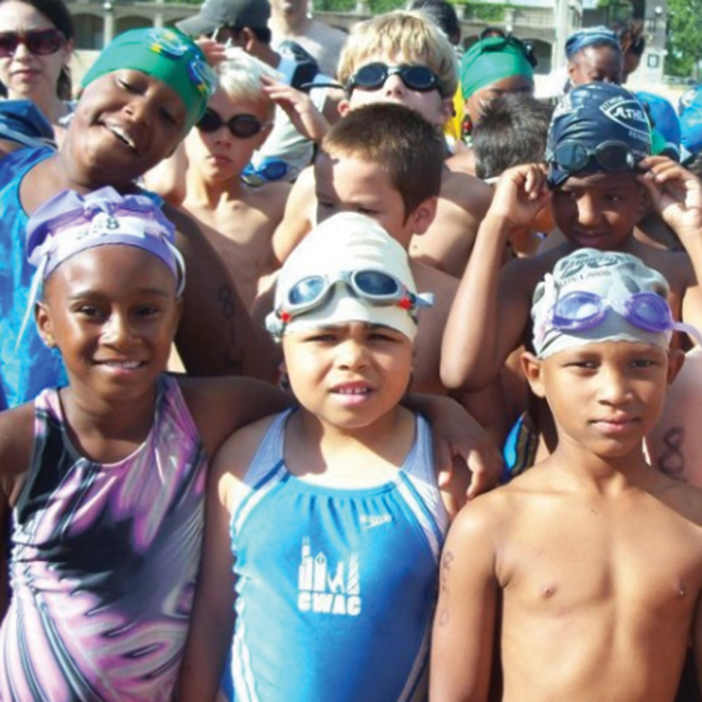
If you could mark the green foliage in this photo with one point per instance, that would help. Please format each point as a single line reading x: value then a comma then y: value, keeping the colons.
x: 684, y: 37
x: 485, y: 12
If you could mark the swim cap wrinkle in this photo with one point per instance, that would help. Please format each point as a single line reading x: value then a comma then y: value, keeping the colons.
x: 166, y: 54
x: 611, y: 275
x: 493, y: 59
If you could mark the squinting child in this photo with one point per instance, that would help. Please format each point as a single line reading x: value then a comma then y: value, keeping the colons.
x: 401, y: 57
x: 583, y: 576
x: 601, y: 180
x: 204, y: 176
x: 385, y: 161
x: 106, y: 476
x: 324, y: 524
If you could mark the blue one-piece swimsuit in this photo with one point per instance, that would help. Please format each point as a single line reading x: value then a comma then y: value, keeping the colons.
x: 335, y: 588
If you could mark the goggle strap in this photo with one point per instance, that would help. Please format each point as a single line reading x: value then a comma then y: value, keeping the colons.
x: 690, y: 330
x: 424, y: 299
x: 32, y: 298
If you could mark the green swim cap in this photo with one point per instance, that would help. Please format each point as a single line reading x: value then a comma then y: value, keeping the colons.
x: 166, y: 54
x: 493, y: 59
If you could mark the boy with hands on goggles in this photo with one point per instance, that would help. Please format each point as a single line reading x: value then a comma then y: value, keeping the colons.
x: 600, y: 182
x: 586, y: 573
x: 305, y: 508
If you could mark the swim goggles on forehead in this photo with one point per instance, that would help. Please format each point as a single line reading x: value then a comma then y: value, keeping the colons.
x: 240, y: 126
x: 376, y: 287
x: 580, y: 311
x: 372, y: 76
x: 612, y: 156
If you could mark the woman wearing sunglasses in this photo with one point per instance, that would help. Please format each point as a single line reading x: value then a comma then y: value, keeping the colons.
x: 36, y: 44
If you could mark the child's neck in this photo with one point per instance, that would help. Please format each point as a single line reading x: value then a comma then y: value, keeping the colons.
x: 107, y: 431
x: 602, y: 474
x: 210, y: 194
x: 348, y: 457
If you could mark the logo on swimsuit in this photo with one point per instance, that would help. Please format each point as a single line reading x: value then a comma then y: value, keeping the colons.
x: 322, y: 593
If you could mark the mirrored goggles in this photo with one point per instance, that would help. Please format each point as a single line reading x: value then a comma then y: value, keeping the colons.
x: 612, y: 156
x: 240, y: 126
x: 580, y: 311
x: 372, y: 76
x: 377, y: 287
x: 40, y: 42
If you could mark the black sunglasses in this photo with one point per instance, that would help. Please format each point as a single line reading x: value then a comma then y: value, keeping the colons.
x: 41, y: 42
x: 372, y: 76
x: 240, y: 126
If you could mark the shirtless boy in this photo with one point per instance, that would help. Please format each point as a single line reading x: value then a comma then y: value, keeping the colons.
x: 597, y: 197
x: 427, y: 83
x: 581, y: 579
x: 204, y: 177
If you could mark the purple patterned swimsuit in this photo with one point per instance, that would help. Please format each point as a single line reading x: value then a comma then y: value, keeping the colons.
x: 104, y: 559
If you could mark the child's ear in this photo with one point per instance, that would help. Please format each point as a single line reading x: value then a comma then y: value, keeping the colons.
x: 423, y: 215
x: 44, y: 325
x: 676, y: 360
x: 533, y: 370
x: 344, y: 106
x: 447, y: 111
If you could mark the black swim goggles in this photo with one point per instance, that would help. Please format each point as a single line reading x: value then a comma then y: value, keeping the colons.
x: 240, y: 126
x: 376, y: 287
x: 612, y: 156
x: 372, y: 76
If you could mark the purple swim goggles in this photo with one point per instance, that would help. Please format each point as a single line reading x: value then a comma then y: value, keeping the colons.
x: 581, y: 311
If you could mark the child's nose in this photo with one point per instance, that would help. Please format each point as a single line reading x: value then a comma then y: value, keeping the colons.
x: 351, y: 355
x: 588, y: 211
x: 394, y: 85
x: 117, y: 331
x: 614, y: 388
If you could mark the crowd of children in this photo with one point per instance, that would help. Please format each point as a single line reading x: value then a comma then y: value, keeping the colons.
x: 325, y: 527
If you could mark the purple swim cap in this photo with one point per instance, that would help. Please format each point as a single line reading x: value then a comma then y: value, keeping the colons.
x: 69, y: 223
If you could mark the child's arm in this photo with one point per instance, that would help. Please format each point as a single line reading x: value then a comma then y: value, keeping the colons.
x: 296, y: 222
x: 212, y: 623
x: 167, y: 178
x: 677, y: 196
x: 491, y: 308
x: 16, y: 444
x: 464, y: 624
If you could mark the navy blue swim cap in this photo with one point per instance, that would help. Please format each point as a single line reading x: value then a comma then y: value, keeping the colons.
x: 598, y: 127
x: 591, y: 36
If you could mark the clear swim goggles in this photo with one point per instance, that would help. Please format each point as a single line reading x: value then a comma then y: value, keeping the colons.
x: 581, y: 311
x: 374, y: 286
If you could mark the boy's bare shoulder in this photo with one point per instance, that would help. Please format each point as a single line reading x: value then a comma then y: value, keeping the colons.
x: 270, y: 198
x: 676, y: 266
x: 466, y: 190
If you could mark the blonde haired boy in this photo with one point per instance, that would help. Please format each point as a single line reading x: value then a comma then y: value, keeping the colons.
x: 373, y: 68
